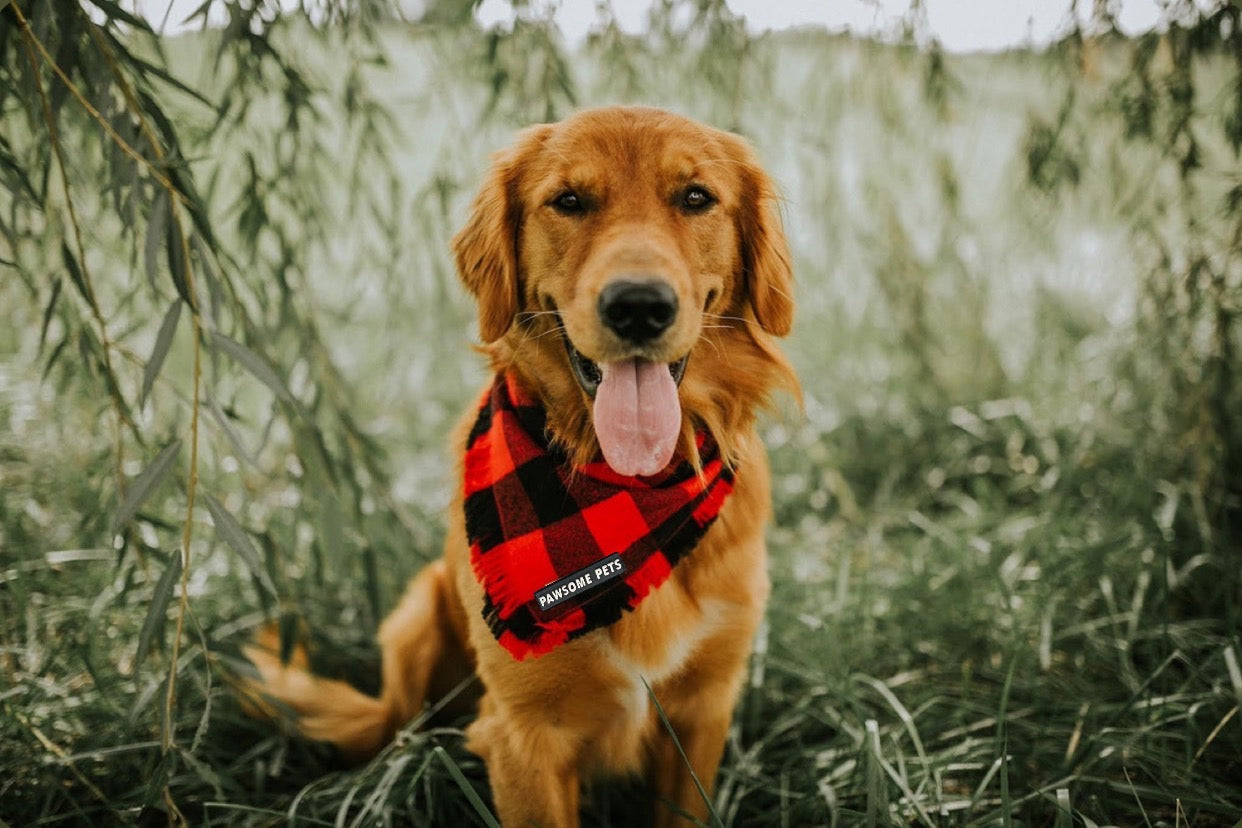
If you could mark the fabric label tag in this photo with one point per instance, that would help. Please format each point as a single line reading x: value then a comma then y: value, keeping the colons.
x: 581, y: 581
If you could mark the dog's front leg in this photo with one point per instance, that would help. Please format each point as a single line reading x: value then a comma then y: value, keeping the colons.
x: 532, y: 792
x: 677, y: 797
x: 699, y: 706
x: 532, y: 768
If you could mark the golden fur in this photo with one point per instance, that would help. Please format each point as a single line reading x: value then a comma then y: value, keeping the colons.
x: 546, y: 723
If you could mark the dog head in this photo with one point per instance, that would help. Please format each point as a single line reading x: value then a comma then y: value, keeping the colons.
x: 630, y: 266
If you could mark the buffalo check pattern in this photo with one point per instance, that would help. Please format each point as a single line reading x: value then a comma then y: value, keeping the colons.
x: 532, y: 519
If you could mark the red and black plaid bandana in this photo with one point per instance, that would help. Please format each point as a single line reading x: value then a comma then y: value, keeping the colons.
x: 562, y: 551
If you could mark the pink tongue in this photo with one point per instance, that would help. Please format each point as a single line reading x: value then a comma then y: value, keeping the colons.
x: 637, y: 416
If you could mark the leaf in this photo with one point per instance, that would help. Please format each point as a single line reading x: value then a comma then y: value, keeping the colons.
x: 75, y: 273
x: 466, y: 788
x: 229, y: 529
x: 92, y: 351
x: 47, y: 312
x: 209, y: 278
x: 157, y: 222
x: 193, y: 205
x: 173, y: 157
x: 54, y: 355
x: 177, y: 253
x: 10, y: 164
x: 163, y: 341
x: 253, y: 363
x: 115, y: 12
x: 230, y: 433
x: 114, y: 392
x: 88, y: 350
x: 200, y: 12
x: 290, y: 627
x: 146, y: 67
x: 157, y: 613
x: 145, y: 484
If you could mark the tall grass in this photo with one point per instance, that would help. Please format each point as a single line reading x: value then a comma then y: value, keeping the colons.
x: 1005, y: 551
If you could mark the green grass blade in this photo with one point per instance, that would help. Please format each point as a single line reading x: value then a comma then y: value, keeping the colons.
x: 877, y: 802
x: 1065, y: 813
x: 382, y: 788
x: 466, y: 788
x: 1137, y: 799
x: 1002, y: 736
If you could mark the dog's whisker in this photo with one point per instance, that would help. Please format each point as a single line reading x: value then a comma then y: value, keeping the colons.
x: 528, y: 336
x: 559, y: 329
x: 731, y: 318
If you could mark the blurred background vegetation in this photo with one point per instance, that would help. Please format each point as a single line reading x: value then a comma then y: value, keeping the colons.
x: 1008, y: 548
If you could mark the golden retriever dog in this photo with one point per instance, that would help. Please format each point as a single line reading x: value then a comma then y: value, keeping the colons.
x: 606, y: 541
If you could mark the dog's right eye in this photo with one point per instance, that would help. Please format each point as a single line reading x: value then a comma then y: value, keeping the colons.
x: 568, y: 203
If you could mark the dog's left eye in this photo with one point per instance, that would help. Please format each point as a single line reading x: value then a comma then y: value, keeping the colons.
x: 696, y: 199
x: 568, y: 203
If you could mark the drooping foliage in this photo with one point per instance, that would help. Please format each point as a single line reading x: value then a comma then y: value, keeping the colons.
x: 1007, y: 528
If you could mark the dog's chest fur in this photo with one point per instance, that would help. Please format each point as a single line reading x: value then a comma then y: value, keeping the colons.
x: 647, y: 649
x: 676, y: 633
x: 657, y: 640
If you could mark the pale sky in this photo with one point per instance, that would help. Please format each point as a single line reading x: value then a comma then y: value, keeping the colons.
x: 960, y: 25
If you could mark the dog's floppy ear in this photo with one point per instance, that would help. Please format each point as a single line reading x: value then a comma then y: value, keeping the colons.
x: 765, y: 252
x: 486, y: 248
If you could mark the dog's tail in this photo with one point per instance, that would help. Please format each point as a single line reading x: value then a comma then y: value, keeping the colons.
x: 422, y: 654
x: 327, y: 710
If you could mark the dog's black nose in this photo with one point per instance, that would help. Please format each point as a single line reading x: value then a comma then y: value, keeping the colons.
x: 637, y: 311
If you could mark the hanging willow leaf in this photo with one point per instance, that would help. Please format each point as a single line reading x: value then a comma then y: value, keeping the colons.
x: 194, y: 204
x: 230, y: 433
x: 54, y: 355
x: 253, y: 363
x: 93, y: 355
x: 75, y: 273
x: 157, y: 222
x: 48, y: 311
x: 147, y: 68
x: 177, y: 251
x: 115, y: 12
x: 12, y: 168
x: 145, y: 484
x: 157, y: 613
x: 163, y: 341
x: 233, y: 534
x: 207, y: 276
